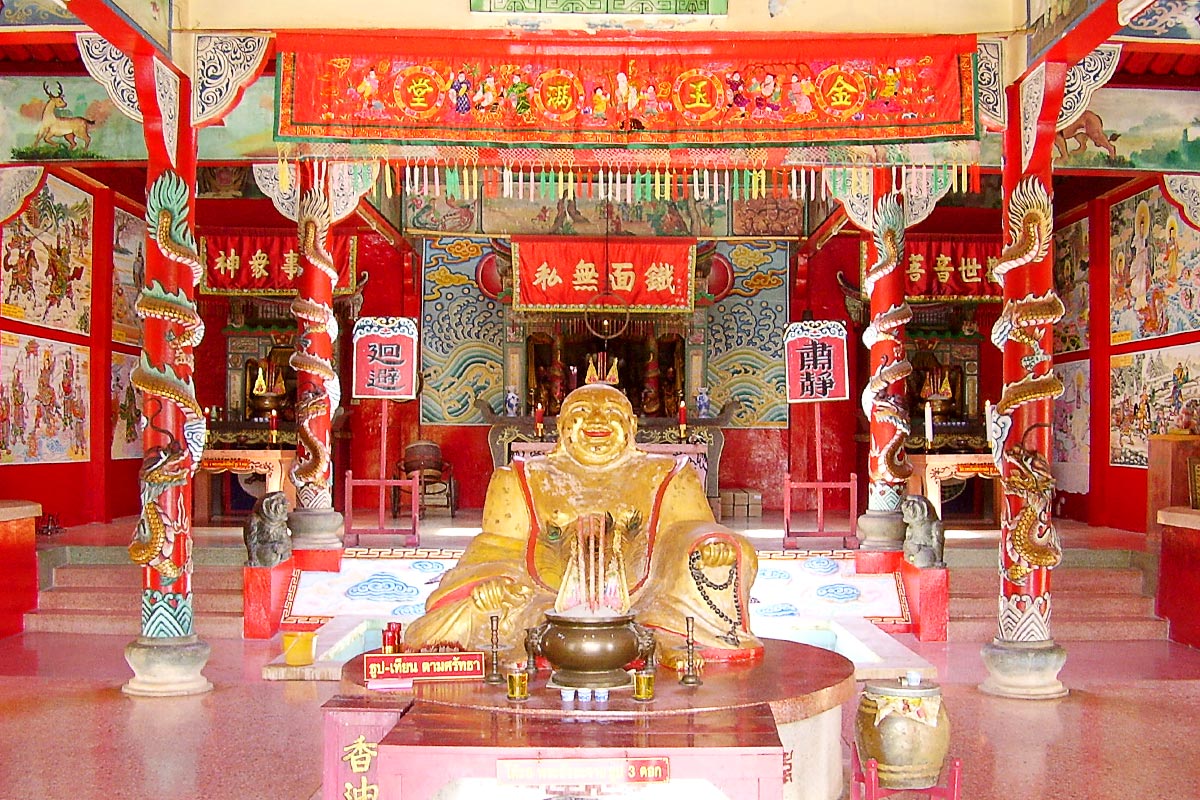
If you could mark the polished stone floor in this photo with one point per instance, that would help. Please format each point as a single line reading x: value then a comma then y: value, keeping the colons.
x: 1128, y: 729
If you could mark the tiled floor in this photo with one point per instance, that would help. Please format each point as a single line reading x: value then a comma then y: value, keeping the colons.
x: 1129, y: 727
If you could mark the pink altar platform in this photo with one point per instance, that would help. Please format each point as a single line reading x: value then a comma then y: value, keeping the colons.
x: 771, y: 729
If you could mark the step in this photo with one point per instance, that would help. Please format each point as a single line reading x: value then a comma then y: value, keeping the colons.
x: 1068, y: 604
x: 211, y: 625
x: 129, y: 576
x: 1073, y: 558
x: 1066, y: 629
x: 981, y: 580
x: 90, y: 598
x: 202, y: 556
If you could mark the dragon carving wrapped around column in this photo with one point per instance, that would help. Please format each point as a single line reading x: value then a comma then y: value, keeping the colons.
x: 168, y: 388
x: 321, y: 389
x: 888, y: 466
x: 1031, y: 541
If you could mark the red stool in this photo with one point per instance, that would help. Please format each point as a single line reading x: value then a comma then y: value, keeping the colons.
x: 871, y: 790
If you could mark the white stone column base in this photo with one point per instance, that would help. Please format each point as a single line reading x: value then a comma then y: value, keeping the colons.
x: 1024, y: 670
x: 167, y: 666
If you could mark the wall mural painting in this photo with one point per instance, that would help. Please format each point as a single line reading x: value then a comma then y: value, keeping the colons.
x: 152, y: 16
x: 1149, y: 391
x: 461, y: 335
x: 745, y: 332
x: 47, y: 260
x: 246, y: 131
x: 129, y: 274
x: 65, y: 118
x: 1071, y: 261
x: 125, y: 409
x: 538, y: 209
x: 19, y: 13
x: 1141, y: 129
x: 45, y: 402
x: 1072, y: 429
x: 1155, y: 269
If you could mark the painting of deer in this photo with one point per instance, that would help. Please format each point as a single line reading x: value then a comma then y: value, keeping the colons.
x: 52, y: 126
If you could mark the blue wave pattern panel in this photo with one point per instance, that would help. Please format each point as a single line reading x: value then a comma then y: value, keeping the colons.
x: 461, y: 334
x: 745, y: 332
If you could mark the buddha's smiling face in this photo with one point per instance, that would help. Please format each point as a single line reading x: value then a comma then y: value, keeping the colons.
x: 596, y: 424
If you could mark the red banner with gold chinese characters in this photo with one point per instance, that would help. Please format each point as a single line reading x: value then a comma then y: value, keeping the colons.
x: 577, y: 88
x: 267, y: 262
x: 948, y: 268
x: 569, y: 274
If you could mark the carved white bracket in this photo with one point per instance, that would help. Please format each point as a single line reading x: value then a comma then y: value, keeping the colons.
x: 166, y: 91
x: 348, y: 182
x: 1183, y: 192
x: 1095, y: 70
x: 1128, y: 9
x: 923, y: 188
x: 854, y: 188
x: 1033, y: 93
x: 225, y: 66
x: 993, y: 105
x: 16, y: 185
x: 112, y: 69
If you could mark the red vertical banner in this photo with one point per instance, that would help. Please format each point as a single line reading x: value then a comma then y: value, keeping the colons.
x: 815, y: 353
x: 385, y: 358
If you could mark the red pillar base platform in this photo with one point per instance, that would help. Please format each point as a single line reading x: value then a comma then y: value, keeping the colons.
x: 264, y: 591
x: 318, y: 560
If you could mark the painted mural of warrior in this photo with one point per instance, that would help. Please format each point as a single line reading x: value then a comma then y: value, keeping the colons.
x: 62, y: 278
x: 46, y: 418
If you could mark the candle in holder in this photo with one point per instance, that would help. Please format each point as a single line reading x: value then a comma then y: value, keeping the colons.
x: 928, y: 423
x: 539, y: 416
x: 682, y: 412
x: 987, y: 421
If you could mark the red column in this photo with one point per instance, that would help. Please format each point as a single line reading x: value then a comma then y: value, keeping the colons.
x: 883, y: 399
x: 1024, y: 661
x: 315, y: 525
x: 167, y: 657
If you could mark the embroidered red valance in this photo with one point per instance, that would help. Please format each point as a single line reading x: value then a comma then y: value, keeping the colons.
x: 948, y: 267
x: 590, y: 90
x: 266, y: 262
x: 570, y: 274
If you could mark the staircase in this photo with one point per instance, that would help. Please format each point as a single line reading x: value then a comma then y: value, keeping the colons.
x: 1097, y: 596
x: 98, y: 590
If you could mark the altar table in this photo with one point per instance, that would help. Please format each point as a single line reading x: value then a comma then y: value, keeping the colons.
x: 274, y: 464
x: 931, y: 469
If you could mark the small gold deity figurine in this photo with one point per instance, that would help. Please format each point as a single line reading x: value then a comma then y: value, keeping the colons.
x: 600, y: 524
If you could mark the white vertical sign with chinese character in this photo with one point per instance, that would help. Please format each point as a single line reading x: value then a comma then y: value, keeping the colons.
x: 815, y: 353
x: 385, y: 357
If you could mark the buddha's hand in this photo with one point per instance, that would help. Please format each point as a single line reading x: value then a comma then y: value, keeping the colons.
x: 718, y: 554
x: 498, y: 594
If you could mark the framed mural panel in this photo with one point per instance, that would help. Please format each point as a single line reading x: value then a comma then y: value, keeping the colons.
x: 68, y: 118
x: 129, y: 274
x: 462, y: 331
x: 1072, y: 427
x: 45, y: 400
x: 125, y: 408
x: 1145, y: 129
x: 746, y: 358
x: 1071, y: 266
x: 1154, y: 269
x: 1148, y: 390
x: 47, y: 260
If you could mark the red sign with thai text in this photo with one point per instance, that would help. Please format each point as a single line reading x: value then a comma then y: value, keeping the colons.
x: 423, y: 666
x: 815, y: 351
x: 958, y: 268
x: 267, y: 262
x: 385, y: 358
x: 559, y: 273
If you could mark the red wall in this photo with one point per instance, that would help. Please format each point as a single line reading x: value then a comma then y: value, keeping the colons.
x: 101, y: 488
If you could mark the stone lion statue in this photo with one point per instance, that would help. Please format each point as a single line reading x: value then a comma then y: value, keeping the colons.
x: 268, y: 540
x: 925, y: 539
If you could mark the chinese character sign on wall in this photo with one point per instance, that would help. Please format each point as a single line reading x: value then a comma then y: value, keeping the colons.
x: 385, y: 357
x: 815, y: 351
x: 571, y: 273
x: 267, y: 262
x: 948, y: 268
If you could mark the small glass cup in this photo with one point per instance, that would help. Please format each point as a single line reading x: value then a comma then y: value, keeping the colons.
x: 518, y: 684
x: 584, y: 695
x: 643, y: 685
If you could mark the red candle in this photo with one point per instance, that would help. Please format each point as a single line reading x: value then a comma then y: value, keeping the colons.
x: 682, y: 413
x: 274, y: 419
x: 538, y: 414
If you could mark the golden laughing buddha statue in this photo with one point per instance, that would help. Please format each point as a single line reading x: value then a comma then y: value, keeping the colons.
x: 664, y: 557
